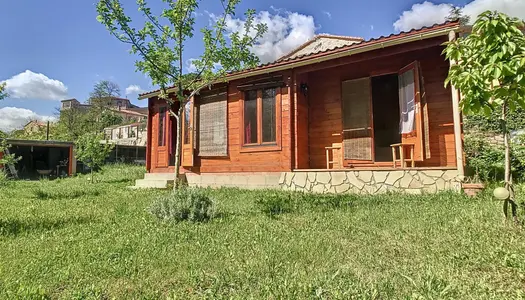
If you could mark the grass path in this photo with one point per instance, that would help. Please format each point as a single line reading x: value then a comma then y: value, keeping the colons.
x: 70, y: 239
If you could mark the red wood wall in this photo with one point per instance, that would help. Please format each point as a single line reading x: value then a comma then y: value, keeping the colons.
x: 312, y: 120
x: 325, y: 103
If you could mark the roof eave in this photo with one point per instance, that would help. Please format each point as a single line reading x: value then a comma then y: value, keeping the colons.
x: 285, y: 65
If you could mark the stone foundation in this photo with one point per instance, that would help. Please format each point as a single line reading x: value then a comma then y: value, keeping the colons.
x: 260, y: 180
x: 371, y: 182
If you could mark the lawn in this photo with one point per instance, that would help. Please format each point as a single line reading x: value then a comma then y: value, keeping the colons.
x: 70, y: 239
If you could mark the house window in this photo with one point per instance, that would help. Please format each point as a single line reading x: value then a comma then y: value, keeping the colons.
x: 162, y: 127
x: 212, y: 123
x: 261, y: 118
x: 250, y: 117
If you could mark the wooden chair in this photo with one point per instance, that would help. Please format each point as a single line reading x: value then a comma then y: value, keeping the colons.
x: 402, y: 158
x: 336, y: 153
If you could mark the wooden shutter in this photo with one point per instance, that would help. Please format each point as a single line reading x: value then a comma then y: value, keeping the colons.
x: 212, y: 124
x: 187, y: 134
x: 409, y: 77
x: 357, y: 120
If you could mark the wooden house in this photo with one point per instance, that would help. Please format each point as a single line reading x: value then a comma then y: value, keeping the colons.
x: 338, y: 114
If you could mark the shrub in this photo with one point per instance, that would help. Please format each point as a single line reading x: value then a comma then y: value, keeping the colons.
x: 186, y: 204
x: 274, y: 203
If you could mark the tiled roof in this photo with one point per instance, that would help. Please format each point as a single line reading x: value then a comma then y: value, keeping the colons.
x: 336, y: 49
x: 321, y: 42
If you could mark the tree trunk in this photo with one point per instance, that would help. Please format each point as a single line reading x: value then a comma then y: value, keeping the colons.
x: 178, y: 146
x: 508, y: 171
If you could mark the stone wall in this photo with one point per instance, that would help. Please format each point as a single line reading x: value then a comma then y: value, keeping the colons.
x: 258, y: 180
x: 371, y: 182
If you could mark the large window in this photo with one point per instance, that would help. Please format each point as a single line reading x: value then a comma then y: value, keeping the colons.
x: 187, y: 119
x: 260, y: 119
x: 162, y: 126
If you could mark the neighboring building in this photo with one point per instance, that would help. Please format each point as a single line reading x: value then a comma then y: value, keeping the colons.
x: 123, y: 107
x: 129, y: 140
x: 330, y: 116
x: 34, y: 126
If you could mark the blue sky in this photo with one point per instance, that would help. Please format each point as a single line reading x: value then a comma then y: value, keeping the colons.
x: 55, y: 49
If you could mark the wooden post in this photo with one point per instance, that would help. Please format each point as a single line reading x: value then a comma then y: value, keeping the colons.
x: 457, y: 120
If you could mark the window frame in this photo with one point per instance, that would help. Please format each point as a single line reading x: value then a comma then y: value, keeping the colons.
x: 261, y: 146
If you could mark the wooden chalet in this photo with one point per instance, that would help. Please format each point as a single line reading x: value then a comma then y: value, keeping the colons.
x: 338, y: 114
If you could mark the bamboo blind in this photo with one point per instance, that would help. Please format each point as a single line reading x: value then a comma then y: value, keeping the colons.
x: 212, y: 125
x: 357, y: 127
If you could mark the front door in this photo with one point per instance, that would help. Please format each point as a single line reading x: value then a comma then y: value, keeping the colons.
x: 160, y: 157
x: 358, y: 140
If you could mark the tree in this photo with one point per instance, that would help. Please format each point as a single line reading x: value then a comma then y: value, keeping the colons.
x: 456, y: 14
x: 489, y: 71
x: 3, y: 93
x: 103, y: 92
x: 160, y: 46
x: 91, y: 151
x: 6, y: 159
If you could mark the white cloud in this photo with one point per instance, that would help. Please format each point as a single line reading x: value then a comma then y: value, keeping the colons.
x: 328, y: 14
x: 190, y: 67
x: 12, y: 118
x: 134, y: 89
x: 286, y: 31
x: 371, y: 27
x: 30, y: 85
x: 428, y: 13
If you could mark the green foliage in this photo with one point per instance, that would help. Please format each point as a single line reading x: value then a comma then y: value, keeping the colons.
x: 186, y: 204
x: 490, y: 69
x: 7, y: 159
x: 456, y: 14
x: 3, y: 93
x: 392, y: 246
x: 490, y: 124
x: 102, y: 93
x: 91, y: 151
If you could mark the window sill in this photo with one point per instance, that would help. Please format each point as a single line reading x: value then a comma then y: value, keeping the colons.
x: 260, y: 148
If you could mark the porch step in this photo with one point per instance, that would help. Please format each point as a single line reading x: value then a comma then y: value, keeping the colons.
x: 152, y: 183
x: 159, y: 176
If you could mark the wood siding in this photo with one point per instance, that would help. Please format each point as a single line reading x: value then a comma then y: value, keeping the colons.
x: 311, y: 122
x: 325, y: 103
x: 238, y: 160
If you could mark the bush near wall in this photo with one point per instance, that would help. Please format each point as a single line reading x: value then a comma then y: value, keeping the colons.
x: 484, y: 148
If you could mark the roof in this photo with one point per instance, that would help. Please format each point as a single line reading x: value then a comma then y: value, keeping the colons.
x: 301, y: 59
x: 319, y: 43
x: 36, y: 122
x: 51, y: 143
x: 130, y: 112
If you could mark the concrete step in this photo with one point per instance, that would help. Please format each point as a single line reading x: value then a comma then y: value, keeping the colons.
x: 152, y: 183
x: 159, y: 176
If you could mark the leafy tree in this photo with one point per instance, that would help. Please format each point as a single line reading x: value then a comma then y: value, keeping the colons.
x: 6, y: 159
x: 160, y: 45
x: 91, y: 151
x: 103, y: 92
x: 3, y: 93
x: 71, y: 124
x: 456, y: 14
x: 489, y: 71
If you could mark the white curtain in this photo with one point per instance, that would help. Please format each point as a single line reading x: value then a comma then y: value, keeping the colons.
x: 407, y: 105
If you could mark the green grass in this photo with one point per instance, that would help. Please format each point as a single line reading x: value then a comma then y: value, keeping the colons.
x: 70, y: 239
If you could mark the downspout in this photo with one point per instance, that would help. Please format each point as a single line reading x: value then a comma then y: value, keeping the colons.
x: 458, y: 139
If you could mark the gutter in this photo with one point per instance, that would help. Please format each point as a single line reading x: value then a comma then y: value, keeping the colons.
x: 373, y: 46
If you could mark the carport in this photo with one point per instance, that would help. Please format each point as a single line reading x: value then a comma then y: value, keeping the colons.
x: 43, y: 158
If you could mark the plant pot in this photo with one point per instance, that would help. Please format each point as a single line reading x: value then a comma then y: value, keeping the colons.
x: 472, y: 189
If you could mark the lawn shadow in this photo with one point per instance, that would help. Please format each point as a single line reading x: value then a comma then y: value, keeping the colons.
x: 16, y: 227
x: 42, y: 194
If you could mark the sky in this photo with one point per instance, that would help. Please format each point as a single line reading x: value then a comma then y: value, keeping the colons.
x: 55, y: 49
